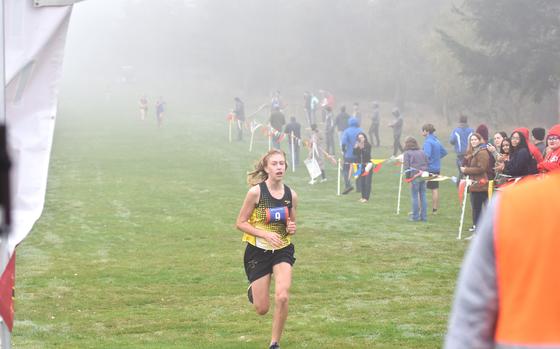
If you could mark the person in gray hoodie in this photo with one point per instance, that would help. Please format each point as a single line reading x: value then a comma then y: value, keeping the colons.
x: 348, y: 140
x: 415, y: 162
x: 397, y: 126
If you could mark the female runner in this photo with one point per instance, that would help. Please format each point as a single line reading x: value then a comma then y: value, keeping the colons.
x: 268, y: 220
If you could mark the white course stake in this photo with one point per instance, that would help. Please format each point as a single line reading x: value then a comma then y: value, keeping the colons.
x: 338, y: 180
x: 230, y: 126
x: 293, y: 153
x: 400, y: 189
x: 269, y: 137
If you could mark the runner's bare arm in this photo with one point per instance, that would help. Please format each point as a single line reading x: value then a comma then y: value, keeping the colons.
x: 291, y: 225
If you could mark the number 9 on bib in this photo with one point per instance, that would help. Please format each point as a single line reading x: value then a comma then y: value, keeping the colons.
x: 277, y: 214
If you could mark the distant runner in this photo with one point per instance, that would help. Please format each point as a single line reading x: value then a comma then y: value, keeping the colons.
x: 160, y: 108
x: 143, y: 104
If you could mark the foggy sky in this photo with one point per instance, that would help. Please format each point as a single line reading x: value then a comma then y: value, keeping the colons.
x: 215, y: 49
x: 354, y: 47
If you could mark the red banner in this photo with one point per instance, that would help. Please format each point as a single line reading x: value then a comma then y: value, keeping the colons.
x: 7, y: 293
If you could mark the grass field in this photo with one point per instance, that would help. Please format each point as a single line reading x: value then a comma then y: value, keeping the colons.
x: 137, y: 248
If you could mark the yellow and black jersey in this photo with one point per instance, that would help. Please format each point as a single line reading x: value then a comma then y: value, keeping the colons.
x: 270, y: 214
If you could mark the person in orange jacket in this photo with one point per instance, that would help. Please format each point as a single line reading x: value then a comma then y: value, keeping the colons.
x: 551, y: 161
x: 508, y: 293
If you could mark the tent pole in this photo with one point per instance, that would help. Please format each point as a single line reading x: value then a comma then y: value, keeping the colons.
x: 4, y: 243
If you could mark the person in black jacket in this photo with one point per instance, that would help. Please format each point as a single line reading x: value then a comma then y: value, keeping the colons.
x: 295, y: 128
x: 520, y: 163
x: 362, y: 151
x: 239, y: 111
x: 277, y: 121
x: 341, y: 123
x: 329, y: 129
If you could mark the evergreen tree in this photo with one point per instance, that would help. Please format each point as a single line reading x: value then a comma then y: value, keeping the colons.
x: 517, y: 48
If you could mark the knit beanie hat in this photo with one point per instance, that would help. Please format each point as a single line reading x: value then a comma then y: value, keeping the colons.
x: 482, y: 130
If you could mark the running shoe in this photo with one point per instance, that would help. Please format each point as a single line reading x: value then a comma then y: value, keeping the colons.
x: 274, y: 346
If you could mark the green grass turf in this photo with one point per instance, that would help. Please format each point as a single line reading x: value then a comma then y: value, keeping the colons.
x: 137, y: 248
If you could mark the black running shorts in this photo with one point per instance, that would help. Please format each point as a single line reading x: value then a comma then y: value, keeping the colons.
x: 259, y: 262
x: 433, y: 184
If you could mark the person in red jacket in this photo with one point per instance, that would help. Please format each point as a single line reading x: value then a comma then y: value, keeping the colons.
x: 535, y: 152
x: 551, y: 161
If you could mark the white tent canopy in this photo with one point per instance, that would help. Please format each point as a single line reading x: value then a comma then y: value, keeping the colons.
x: 35, y: 35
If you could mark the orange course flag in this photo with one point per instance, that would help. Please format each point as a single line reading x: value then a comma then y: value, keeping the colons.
x: 461, y: 189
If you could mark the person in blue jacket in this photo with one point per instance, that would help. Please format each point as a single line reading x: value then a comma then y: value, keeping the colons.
x: 348, y: 140
x: 434, y: 150
x: 459, y: 138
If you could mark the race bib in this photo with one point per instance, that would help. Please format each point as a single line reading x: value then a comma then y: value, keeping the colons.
x: 277, y: 214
